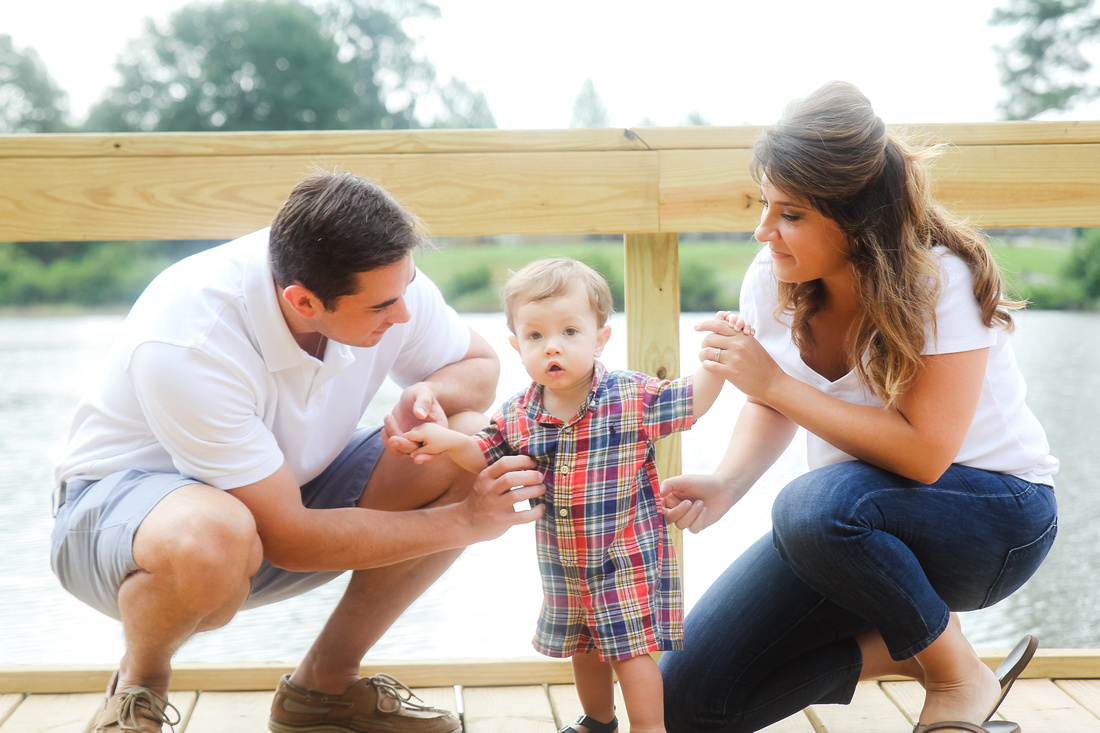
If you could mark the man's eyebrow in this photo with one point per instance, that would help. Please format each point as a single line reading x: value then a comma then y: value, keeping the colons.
x: 391, y: 301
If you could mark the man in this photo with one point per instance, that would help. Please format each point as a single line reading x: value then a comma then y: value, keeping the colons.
x: 218, y: 465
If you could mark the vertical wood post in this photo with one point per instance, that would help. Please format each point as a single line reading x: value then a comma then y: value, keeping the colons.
x: 652, y: 292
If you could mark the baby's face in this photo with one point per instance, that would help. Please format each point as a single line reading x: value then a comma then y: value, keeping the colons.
x: 558, y: 339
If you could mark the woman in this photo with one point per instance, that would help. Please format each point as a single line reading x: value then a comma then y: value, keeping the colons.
x: 876, y: 321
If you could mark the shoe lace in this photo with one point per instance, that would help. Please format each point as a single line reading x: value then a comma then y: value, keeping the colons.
x: 399, y: 691
x: 143, y: 697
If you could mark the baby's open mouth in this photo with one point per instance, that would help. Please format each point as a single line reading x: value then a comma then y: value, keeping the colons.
x: 555, y: 368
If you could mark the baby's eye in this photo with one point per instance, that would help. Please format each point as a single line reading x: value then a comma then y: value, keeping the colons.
x: 534, y: 336
x: 570, y: 332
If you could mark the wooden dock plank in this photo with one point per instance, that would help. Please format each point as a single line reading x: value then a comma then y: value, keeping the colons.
x: 1085, y: 692
x: 871, y: 711
x: 908, y: 695
x: 1040, y: 706
x: 67, y: 713
x: 507, y: 710
x: 567, y: 706
x: 228, y: 712
x: 444, y: 698
x: 8, y: 703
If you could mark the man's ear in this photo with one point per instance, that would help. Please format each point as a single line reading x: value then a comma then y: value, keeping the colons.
x: 302, y: 300
x: 601, y: 339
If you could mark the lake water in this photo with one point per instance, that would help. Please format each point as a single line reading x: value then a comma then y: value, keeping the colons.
x: 487, y: 603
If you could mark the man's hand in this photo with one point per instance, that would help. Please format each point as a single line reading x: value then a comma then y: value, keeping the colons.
x: 490, y: 508
x: 418, y: 405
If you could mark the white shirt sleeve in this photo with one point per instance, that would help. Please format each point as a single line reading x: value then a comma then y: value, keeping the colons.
x: 434, y: 337
x: 958, y: 325
x: 204, y: 414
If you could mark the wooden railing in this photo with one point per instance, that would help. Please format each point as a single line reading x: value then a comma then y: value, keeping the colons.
x: 648, y: 184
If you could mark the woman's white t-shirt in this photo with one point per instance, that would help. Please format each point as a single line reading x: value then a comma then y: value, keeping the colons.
x: 1004, y: 437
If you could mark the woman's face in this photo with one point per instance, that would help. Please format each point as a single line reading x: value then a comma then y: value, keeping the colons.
x: 805, y: 245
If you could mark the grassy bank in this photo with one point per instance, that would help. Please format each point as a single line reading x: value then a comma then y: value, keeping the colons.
x: 471, y: 274
x: 471, y: 271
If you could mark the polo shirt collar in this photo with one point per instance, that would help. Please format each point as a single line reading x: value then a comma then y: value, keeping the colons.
x: 273, y: 337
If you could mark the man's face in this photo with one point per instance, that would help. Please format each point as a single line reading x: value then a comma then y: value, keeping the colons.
x: 362, y: 318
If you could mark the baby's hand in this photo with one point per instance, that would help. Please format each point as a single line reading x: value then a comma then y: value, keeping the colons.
x: 736, y: 322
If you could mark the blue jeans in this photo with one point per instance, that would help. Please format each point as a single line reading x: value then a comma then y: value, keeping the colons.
x: 853, y: 548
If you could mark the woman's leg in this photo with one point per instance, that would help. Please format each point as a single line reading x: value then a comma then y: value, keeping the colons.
x: 903, y: 555
x: 759, y: 646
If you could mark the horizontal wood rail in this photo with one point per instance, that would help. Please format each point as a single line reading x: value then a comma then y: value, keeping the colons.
x: 483, y: 182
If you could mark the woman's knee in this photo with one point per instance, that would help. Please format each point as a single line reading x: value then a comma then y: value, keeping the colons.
x: 822, y: 505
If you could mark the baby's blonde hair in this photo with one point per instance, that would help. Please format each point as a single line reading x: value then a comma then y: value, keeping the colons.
x: 551, y: 277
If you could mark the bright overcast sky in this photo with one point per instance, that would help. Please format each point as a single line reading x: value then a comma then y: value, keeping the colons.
x: 732, y: 61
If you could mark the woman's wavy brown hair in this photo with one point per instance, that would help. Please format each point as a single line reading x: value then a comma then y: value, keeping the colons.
x: 832, y: 151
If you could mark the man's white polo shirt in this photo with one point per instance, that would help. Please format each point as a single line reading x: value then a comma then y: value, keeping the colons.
x: 206, y: 379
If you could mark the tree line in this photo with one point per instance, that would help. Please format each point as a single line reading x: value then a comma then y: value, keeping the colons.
x: 244, y: 65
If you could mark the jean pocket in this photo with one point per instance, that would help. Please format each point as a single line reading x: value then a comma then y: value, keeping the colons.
x: 1021, y: 564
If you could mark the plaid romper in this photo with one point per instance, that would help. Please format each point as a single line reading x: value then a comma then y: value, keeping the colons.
x: 609, y: 574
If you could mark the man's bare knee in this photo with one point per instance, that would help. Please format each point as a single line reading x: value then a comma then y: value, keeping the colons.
x: 200, y: 535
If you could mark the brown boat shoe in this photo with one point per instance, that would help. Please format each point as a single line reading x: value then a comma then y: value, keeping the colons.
x: 135, y: 709
x: 379, y: 704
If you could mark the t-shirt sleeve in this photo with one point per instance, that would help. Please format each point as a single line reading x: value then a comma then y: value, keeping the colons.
x: 958, y: 326
x: 435, y: 336
x: 204, y: 413
x: 668, y: 406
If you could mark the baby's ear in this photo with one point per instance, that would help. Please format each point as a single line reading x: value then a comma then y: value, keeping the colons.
x: 601, y: 339
x: 514, y: 342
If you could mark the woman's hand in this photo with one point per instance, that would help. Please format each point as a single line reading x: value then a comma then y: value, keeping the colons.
x: 696, y: 501
x: 730, y: 350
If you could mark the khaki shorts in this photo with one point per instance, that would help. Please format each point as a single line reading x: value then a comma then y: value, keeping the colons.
x: 93, y: 537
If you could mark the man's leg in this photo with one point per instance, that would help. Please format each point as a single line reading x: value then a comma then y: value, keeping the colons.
x: 197, y: 550
x: 375, y: 598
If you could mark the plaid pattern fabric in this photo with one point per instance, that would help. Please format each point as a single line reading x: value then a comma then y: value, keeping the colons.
x: 609, y: 572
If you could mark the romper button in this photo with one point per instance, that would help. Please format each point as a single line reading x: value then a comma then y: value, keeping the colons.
x: 563, y: 512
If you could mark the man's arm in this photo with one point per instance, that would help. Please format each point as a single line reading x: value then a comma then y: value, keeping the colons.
x: 468, y: 384
x: 353, y: 538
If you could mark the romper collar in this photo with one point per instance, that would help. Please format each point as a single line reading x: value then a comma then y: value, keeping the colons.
x: 532, y: 400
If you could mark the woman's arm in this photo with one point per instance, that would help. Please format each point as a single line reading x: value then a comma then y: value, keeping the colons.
x: 760, y: 436
x: 919, y: 438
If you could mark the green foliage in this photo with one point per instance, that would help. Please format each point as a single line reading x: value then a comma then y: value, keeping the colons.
x: 255, y: 65
x: 106, y: 273
x: 588, y: 108
x: 1045, y: 67
x: 1083, y: 266
x: 463, y: 107
x: 281, y: 65
x: 30, y: 101
x: 471, y: 276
